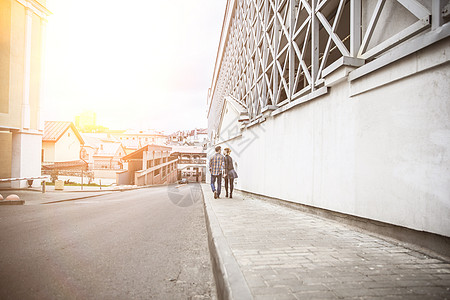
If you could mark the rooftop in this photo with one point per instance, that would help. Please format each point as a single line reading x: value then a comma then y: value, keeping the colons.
x: 54, y: 130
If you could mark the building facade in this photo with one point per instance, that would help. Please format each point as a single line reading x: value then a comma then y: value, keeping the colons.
x: 86, y: 121
x: 339, y: 105
x: 133, y: 140
x: 103, y: 154
x: 61, y: 142
x: 196, y: 137
x: 191, y: 162
x: 150, y: 165
x: 22, y: 31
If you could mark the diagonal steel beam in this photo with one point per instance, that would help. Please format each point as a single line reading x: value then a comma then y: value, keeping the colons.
x: 415, y: 8
x: 371, y: 26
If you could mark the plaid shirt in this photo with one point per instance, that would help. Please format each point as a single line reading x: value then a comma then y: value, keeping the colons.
x: 216, y: 164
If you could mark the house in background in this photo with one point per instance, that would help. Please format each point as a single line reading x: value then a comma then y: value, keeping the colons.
x: 133, y: 140
x: 149, y: 165
x: 61, y: 142
x: 195, y: 137
x: 22, y: 31
x: 191, y: 162
x: 131, y: 145
x: 108, y: 156
x: 103, y: 154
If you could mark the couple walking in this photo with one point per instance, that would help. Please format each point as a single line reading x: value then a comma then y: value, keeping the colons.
x: 218, y: 165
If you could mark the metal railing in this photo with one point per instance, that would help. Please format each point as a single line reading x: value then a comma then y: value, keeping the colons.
x: 28, y: 179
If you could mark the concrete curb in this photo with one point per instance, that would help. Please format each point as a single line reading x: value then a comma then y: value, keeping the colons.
x: 230, y: 282
x: 107, y: 192
x: 12, y: 202
x: 84, y: 191
x: 78, y: 198
x: 100, y: 193
x: 53, y: 191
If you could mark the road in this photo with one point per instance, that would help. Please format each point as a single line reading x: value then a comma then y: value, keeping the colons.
x: 143, y: 244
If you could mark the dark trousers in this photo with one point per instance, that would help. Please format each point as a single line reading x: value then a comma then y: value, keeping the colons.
x: 219, y: 183
x: 229, y: 180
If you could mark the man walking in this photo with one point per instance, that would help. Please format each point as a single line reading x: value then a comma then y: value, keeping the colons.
x: 216, y: 166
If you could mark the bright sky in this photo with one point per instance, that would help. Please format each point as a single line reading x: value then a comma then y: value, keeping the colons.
x: 142, y: 64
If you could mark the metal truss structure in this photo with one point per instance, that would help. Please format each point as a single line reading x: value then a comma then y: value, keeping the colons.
x: 273, y: 52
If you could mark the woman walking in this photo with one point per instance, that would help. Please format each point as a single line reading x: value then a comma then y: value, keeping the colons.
x: 230, y: 173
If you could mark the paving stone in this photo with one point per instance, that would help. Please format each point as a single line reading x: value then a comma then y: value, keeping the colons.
x: 278, y: 276
x: 442, y: 282
x: 271, y: 291
x: 380, y: 292
x: 255, y: 282
x: 432, y: 290
x: 287, y: 254
x: 275, y: 297
x: 286, y: 283
x: 400, y: 297
x: 314, y: 295
x: 305, y: 288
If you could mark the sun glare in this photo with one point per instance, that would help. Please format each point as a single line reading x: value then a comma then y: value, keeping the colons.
x: 139, y: 63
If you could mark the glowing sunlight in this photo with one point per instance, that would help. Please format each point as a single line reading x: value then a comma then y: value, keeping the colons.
x: 137, y: 64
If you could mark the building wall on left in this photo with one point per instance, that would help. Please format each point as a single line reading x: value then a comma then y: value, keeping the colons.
x: 21, y: 50
x: 5, y: 39
x: 5, y: 154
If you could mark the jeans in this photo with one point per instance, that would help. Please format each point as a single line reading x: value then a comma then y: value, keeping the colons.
x: 229, y: 180
x: 219, y: 183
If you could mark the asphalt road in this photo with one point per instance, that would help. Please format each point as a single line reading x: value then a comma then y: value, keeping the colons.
x: 142, y: 244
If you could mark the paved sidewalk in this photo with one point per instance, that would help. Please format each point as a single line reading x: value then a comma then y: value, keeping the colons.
x: 268, y: 251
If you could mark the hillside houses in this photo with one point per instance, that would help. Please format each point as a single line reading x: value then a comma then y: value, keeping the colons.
x: 103, y: 155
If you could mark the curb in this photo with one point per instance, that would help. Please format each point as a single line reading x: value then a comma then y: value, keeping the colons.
x: 34, y: 190
x: 78, y: 198
x: 85, y: 191
x: 108, y: 192
x: 230, y: 282
x: 12, y: 202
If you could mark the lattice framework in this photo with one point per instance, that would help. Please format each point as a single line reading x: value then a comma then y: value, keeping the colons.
x: 276, y: 50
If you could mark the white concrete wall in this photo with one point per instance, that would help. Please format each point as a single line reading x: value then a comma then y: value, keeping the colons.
x: 26, y: 158
x: 67, y: 148
x: 111, y: 174
x: 49, y: 151
x: 377, y: 148
x: 229, y: 126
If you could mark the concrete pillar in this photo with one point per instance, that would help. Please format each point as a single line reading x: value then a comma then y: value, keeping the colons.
x: 26, y: 157
x: 144, y: 160
x: 26, y: 118
x: 40, y: 121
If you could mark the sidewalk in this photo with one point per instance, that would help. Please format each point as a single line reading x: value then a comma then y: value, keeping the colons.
x: 266, y: 251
